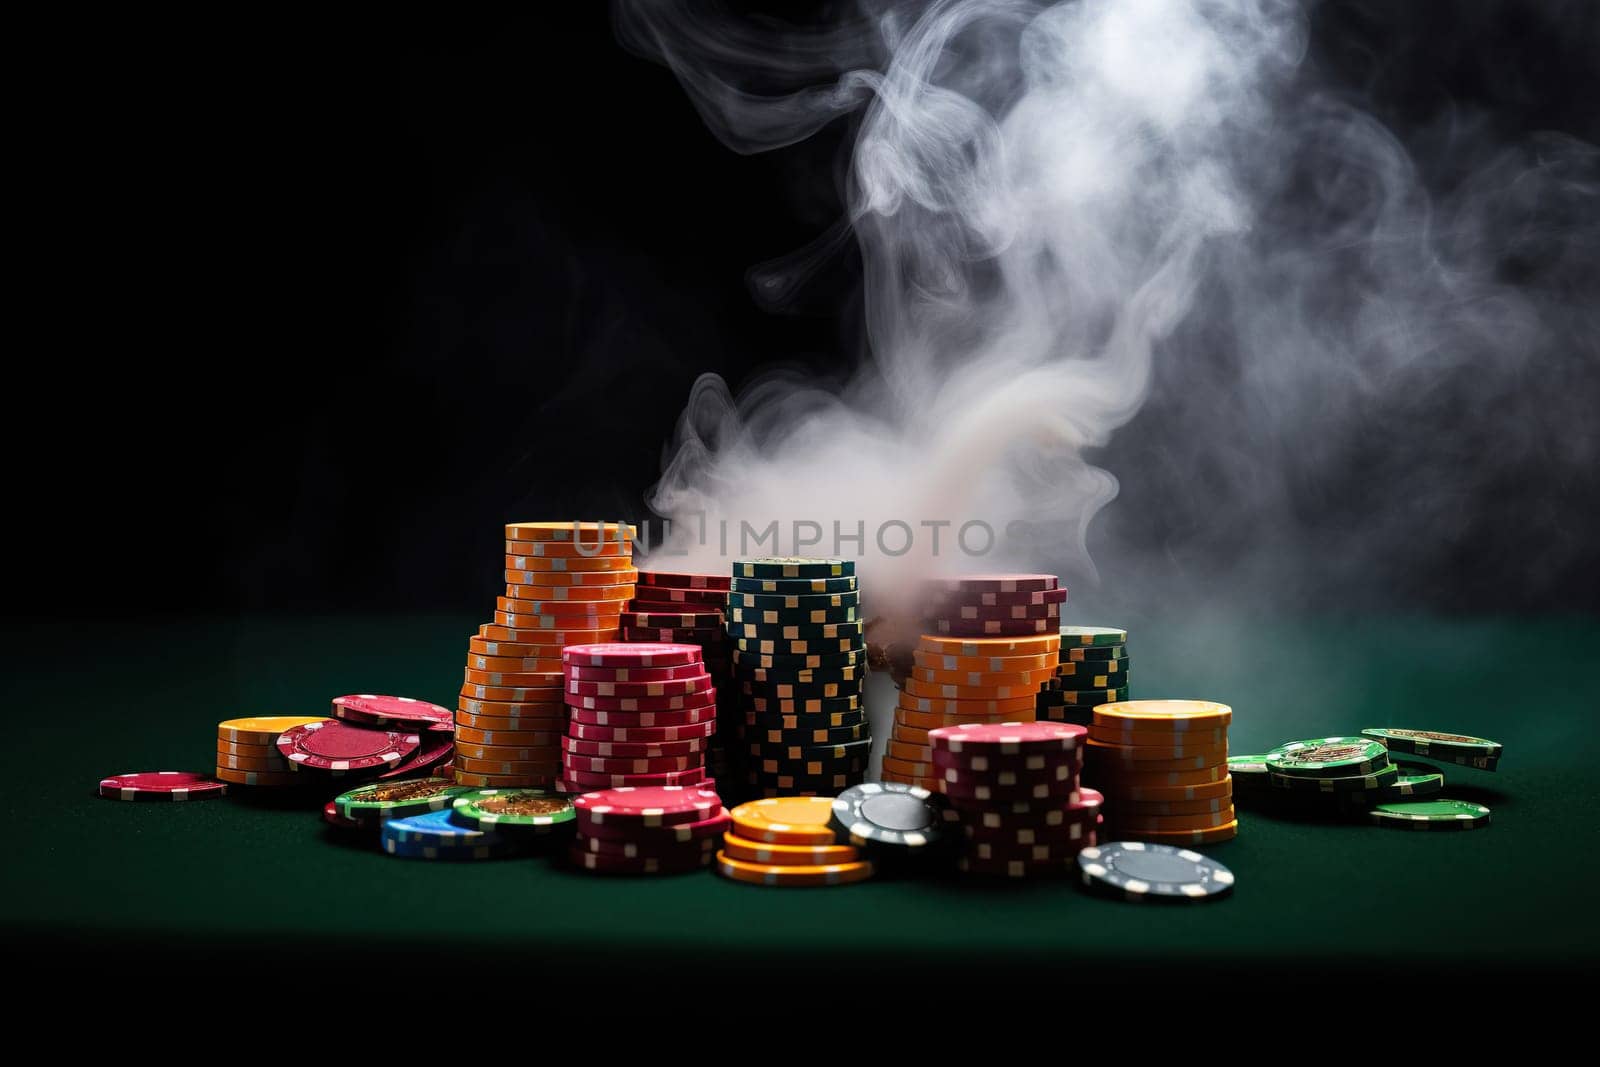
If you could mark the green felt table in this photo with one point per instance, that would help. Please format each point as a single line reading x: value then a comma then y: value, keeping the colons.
x: 267, y: 884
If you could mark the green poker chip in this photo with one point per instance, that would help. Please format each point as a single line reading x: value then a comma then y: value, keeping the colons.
x: 790, y: 567
x: 1105, y: 674
x: 1430, y: 815
x: 1357, y: 783
x: 1091, y: 635
x: 513, y: 810
x: 1416, y: 780
x: 1329, y: 757
x: 393, y: 800
x: 1249, y: 769
x: 1432, y: 743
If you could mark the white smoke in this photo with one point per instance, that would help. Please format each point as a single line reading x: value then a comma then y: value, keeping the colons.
x: 1061, y: 208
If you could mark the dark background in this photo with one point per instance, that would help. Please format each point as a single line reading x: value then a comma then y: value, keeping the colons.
x: 342, y: 297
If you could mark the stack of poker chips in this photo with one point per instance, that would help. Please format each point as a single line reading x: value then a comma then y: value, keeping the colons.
x: 247, y: 750
x: 800, y: 664
x: 1093, y: 670
x: 1014, y: 788
x: 789, y: 841
x: 1163, y: 767
x: 678, y: 608
x: 640, y: 715
x: 990, y: 643
x: 367, y: 736
x: 649, y: 830
x: 566, y: 583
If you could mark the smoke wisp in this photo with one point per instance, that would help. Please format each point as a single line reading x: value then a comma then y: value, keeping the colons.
x: 1139, y: 245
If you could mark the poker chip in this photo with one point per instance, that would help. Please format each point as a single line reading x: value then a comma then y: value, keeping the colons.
x: 891, y: 815
x: 162, y: 785
x: 1136, y: 870
x: 511, y: 810
x: 654, y: 806
x: 769, y: 874
x: 261, y: 729
x: 1433, y: 743
x: 1092, y: 636
x: 634, y: 655
x: 1437, y: 814
x: 678, y: 580
x: 435, y: 835
x: 332, y: 745
x: 792, y: 567
x: 372, y: 709
x: 1329, y: 757
x: 713, y: 824
x: 393, y: 799
x: 789, y: 820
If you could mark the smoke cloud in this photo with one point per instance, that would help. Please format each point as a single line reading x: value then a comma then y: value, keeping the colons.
x: 1139, y: 247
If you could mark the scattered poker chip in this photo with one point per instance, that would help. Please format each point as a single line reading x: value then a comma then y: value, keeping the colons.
x: 1432, y: 743
x: 652, y: 806
x: 771, y: 874
x: 374, y: 709
x: 332, y: 745
x: 433, y: 835
x: 887, y: 814
x: 786, y: 820
x: 1329, y: 757
x: 1092, y: 636
x: 1430, y: 815
x: 635, y: 655
x: 162, y: 785
x: 1135, y: 870
x: 262, y: 730
x: 392, y: 799
x: 791, y: 567
x: 437, y: 745
x: 512, y: 809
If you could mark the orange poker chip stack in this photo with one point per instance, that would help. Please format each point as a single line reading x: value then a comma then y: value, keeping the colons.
x: 989, y: 643
x: 1163, y: 767
x: 567, y: 583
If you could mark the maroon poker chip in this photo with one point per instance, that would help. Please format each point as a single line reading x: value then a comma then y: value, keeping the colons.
x: 585, y: 782
x: 332, y: 745
x: 636, y: 750
x: 682, y: 580
x: 996, y: 583
x: 650, y: 806
x: 577, y: 673
x: 644, y: 735
x: 438, y: 743
x: 629, y: 717
x: 711, y: 826
x: 617, y: 654
x: 670, y: 687
x: 162, y: 785
x: 374, y: 709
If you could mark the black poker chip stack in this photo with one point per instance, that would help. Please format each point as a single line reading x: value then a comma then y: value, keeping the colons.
x: 799, y: 671
x: 1093, y: 671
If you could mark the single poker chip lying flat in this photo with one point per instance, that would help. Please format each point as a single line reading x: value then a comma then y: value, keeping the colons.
x: 1135, y: 870
x: 162, y: 785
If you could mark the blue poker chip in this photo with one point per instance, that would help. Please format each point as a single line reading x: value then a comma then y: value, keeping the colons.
x: 1134, y: 870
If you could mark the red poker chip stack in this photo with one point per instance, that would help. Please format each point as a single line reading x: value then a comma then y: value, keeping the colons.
x: 567, y: 583
x: 687, y: 609
x: 648, y: 830
x: 640, y: 715
x: 1014, y: 789
x: 993, y: 605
